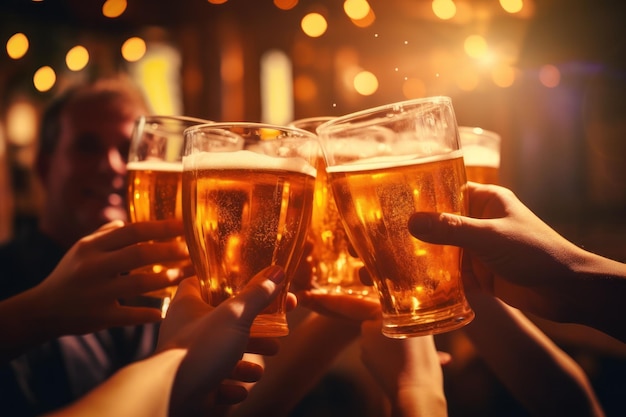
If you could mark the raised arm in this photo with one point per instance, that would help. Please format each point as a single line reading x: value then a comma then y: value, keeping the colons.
x: 512, y: 254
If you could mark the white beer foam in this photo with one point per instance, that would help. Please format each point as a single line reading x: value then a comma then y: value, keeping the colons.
x: 246, y: 160
x: 475, y: 155
x: 391, y: 161
x: 155, y: 165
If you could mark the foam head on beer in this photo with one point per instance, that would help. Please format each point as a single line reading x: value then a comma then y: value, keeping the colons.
x: 246, y: 159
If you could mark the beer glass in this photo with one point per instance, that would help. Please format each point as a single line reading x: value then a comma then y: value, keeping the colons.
x: 335, y: 270
x: 481, y: 153
x: 247, y: 202
x: 154, y: 171
x: 384, y: 164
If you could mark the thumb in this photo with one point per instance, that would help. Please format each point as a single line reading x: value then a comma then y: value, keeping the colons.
x: 258, y: 293
x: 446, y: 229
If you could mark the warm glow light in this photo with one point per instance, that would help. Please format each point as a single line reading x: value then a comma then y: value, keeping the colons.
x: 549, y: 76
x: 158, y: 75
x: 17, y: 46
x: 356, y: 9
x: 113, y: 8
x: 44, y: 79
x: 21, y: 123
x: 77, y: 58
x: 512, y: 6
x: 467, y: 79
x: 314, y: 25
x: 475, y: 46
x: 133, y: 49
x: 366, y: 21
x: 276, y: 88
x: 414, y: 88
x: 217, y: 1
x: 503, y: 76
x: 365, y: 83
x: 285, y: 4
x: 444, y: 9
x: 305, y: 89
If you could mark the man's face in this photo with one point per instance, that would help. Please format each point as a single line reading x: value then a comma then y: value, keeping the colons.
x: 85, y: 180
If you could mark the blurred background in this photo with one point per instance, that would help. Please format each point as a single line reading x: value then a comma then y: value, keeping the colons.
x: 548, y: 75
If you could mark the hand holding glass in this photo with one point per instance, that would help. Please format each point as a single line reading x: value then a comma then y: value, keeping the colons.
x: 154, y: 184
x: 385, y: 164
x: 247, y: 201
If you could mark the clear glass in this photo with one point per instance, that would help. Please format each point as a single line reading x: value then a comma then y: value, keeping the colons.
x: 154, y: 174
x: 481, y: 153
x: 247, y: 202
x: 335, y: 269
x: 384, y: 164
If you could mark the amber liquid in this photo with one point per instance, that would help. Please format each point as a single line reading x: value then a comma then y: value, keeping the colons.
x: 154, y: 193
x: 419, y: 284
x: 239, y: 221
x: 335, y: 270
x: 482, y: 174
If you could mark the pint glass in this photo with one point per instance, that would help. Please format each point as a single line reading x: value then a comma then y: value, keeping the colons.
x: 481, y: 153
x: 154, y: 171
x: 384, y: 164
x: 335, y: 270
x: 247, y: 201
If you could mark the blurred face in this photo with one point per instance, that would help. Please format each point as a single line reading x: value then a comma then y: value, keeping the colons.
x: 85, y: 177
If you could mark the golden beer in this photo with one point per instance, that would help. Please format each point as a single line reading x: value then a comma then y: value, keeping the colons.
x: 482, y: 174
x: 243, y: 212
x: 154, y: 175
x: 154, y: 193
x: 154, y: 190
x: 334, y: 269
x: 481, y: 153
x: 418, y: 283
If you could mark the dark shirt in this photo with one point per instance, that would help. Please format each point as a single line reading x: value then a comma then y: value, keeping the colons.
x: 62, y: 370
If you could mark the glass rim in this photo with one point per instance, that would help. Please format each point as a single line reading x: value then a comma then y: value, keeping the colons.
x: 260, y: 125
x: 311, y: 119
x: 340, y: 120
x: 172, y: 117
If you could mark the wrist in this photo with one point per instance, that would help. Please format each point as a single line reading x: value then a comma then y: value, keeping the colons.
x: 29, y: 325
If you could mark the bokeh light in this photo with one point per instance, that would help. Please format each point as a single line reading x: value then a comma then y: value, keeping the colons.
x: 113, y: 8
x: 475, y: 46
x: 285, y: 4
x: 17, y: 46
x: 356, y: 9
x: 44, y: 79
x: 444, y: 9
x: 134, y: 49
x: 77, y: 58
x: 365, y: 83
x: 314, y: 25
x: 549, y: 76
x: 512, y: 6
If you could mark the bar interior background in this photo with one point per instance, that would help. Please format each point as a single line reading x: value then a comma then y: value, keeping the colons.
x: 547, y: 75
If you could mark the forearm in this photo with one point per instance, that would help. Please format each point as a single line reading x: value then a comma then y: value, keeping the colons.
x: 139, y: 390
x: 536, y: 371
x: 420, y: 401
x: 599, y: 294
x: 25, y: 323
